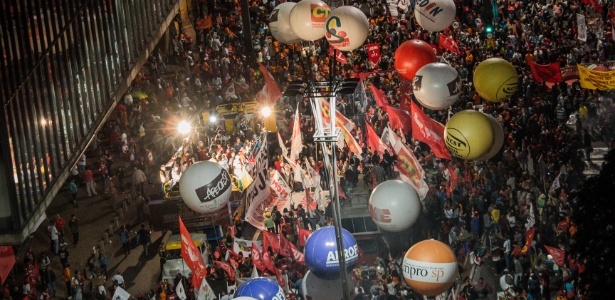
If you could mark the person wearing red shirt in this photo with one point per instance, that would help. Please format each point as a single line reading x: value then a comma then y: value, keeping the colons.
x: 89, y: 182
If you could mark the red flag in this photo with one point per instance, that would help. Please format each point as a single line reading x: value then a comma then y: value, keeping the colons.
x: 429, y: 131
x: 303, y: 236
x: 398, y: 119
x: 549, y: 73
x: 270, y: 92
x: 374, y: 141
x: 256, y: 258
x: 270, y: 239
x: 448, y: 43
x: 192, y: 257
x: 352, y: 144
x: 339, y: 57
x: 227, y: 268
x: 373, y: 52
x: 285, y: 246
x: 297, y: 255
x: 405, y: 102
x: 379, y: 96
x: 558, y: 255
x: 453, y: 179
x: 268, y: 261
x: 278, y: 275
x: 529, y: 238
x: 595, y: 4
x: 205, y: 23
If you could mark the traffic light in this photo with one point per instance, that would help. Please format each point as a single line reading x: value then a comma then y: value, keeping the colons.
x: 488, y: 28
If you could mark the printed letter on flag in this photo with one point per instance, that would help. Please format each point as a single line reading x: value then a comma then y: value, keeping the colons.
x: 256, y: 258
x: 373, y: 52
x: 549, y: 73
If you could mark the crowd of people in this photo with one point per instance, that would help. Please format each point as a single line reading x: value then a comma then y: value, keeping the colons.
x: 486, y: 214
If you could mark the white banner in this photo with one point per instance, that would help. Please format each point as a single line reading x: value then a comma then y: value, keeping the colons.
x: 280, y: 187
x: 181, y: 291
x: 258, y: 192
x: 581, y: 28
x: 245, y: 246
x: 120, y: 294
x: 205, y: 292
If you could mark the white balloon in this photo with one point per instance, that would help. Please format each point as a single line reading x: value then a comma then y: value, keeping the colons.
x: 279, y: 23
x: 435, y: 15
x: 205, y: 187
x: 498, y: 139
x: 437, y: 86
x: 394, y: 205
x: 307, y: 19
x: 346, y: 28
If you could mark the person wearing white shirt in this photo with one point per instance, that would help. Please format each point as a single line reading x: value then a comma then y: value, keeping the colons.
x: 507, y: 251
x: 119, y: 279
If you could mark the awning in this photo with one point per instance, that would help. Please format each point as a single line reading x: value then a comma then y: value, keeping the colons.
x: 7, y: 261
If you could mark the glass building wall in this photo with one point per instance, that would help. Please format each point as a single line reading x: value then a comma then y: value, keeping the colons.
x: 64, y: 62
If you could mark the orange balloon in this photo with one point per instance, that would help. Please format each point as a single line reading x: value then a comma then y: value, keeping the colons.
x: 430, y: 267
x: 411, y: 55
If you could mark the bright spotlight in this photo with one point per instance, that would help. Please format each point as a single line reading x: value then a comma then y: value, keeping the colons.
x: 43, y: 121
x: 266, y: 111
x: 183, y: 127
x: 213, y: 119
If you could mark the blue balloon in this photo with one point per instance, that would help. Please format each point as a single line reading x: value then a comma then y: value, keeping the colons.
x: 321, y: 252
x: 261, y: 289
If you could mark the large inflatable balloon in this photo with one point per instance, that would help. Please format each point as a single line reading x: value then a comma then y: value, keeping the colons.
x: 411, y: 55
x: 205, y: 187
x: 279, y: 23
x: 394, y: 205
x: 498, y: 139
x: 261, y: 289
x: 468, y: 134
x: 308, y: 18
x: 437, y: 86
x: 317, y: 288
x: 346, y: 28
x: 435, y: 15
x: 430, y: 267
x: 321, y: 252
x: 495, y: 79
x: 244, y: 298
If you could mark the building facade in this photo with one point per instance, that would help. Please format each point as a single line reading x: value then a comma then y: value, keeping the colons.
x: 65, y: 65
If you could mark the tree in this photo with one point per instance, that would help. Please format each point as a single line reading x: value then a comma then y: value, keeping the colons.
x: 593, y: 242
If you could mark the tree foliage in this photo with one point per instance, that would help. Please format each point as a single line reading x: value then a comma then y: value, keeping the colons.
x: 594, y: 241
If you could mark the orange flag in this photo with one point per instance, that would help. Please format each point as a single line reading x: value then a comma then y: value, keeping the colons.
x: 205, y: 23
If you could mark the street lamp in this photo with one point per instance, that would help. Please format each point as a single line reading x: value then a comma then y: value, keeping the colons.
x: 183, y: 127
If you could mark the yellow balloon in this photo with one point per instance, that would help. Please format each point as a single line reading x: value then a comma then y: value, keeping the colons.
x: 495, y: 79
x: 468, y: 134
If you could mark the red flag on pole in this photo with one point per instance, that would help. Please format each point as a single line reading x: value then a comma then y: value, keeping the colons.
x: 405, y: 102
x: 270, y: 92
x: 398, y: 119
x: 270, y: 239
x: 303, y: 236
x: 268, y: 261
x: 429, y: 131
x: 529, y: 238
x: 192, y: 257
x: 558, y: 255
x: 373, y: 52
x: 448, y: 43
x: 297, y: 255
x: 278, y: 275
x: 374, y: 141
x: 379, y: 96
x: 227, y: 268
x: 340, y: 57
x: 549, y: 73
x: 285, y: 246
x: 452, y: 182
x: 256, y: 258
